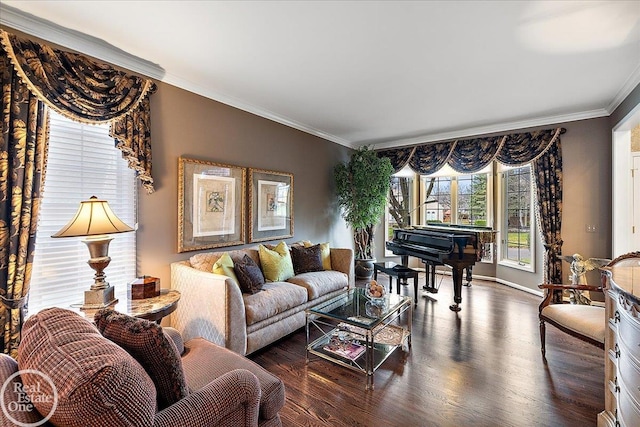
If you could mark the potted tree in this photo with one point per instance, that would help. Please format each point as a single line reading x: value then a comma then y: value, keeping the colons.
x: 362, y: 186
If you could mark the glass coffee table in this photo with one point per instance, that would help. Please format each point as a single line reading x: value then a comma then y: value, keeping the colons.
x: 358, y: 332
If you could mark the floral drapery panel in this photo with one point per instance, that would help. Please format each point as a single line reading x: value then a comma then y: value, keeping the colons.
x: 548, y: 176
x: 90, y: 92
x: 540, y: 148
x: 23, y: 157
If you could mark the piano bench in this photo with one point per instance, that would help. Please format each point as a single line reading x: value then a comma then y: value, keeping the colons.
x: 400, y: 272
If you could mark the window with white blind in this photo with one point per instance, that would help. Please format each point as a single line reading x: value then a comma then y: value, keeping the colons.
x: 82, y: 162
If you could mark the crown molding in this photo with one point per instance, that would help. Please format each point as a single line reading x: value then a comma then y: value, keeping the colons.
x: 77, y: 41
x: 495, y: 128
x: 629, y: 85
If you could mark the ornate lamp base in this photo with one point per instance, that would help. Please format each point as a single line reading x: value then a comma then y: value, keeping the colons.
x: 99, y: 298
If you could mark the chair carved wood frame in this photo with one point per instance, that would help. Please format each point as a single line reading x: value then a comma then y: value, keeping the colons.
x: 586, y: 322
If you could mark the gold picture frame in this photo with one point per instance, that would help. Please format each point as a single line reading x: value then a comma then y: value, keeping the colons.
x: 270, y: 205
x: 211, y: 204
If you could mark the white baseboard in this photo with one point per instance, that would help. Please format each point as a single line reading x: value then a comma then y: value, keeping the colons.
x: 501, y: 281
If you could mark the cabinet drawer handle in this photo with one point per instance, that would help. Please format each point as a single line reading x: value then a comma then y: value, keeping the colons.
x: 617, y: 351
x: 616, y: 317
x: 616, y: 387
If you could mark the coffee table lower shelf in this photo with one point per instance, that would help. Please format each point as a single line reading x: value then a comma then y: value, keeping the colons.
x: 380, y: 353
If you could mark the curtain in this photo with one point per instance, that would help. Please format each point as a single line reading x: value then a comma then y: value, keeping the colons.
x: 547, y: 169
x: 540, y: 148
x: 23, y: 157
x: 89, y: 91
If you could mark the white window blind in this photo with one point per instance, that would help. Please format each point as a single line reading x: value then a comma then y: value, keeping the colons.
x: 82, y: 162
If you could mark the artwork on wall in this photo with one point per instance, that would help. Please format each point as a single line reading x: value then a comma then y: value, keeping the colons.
x: 270, y: 205
x: 210, y: 205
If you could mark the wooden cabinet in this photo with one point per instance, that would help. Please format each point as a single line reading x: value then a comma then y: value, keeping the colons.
x: 622, y: 346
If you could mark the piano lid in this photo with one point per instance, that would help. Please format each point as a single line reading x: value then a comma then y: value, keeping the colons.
x: 484, y: 234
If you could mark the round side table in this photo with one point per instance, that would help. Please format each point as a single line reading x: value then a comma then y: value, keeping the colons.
x: 153, y: 309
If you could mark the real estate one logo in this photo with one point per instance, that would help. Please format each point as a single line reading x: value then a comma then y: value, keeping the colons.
x: 24, y: 397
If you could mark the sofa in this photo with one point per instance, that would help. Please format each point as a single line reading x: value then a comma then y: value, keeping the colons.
x: 213, y: 306
x: 124, y: 371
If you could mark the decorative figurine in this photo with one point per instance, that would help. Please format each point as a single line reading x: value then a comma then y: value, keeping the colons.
x: 579, y: 268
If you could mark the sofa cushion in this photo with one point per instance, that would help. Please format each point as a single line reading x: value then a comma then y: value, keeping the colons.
x: 249, y: 275
x: 275, y: 298
x: 306, y: 259
x: 276, y: 263
x: 97, y: 382
x: 325, y: 253
x: 320, y: 282
x: 224, y: 266
x: 588, y: 320
x: 156, y: 352
x: 205, y: 361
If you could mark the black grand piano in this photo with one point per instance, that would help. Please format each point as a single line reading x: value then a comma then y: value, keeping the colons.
x: 457, y: 246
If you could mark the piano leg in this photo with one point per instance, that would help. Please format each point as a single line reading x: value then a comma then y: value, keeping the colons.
x: 457, y: 288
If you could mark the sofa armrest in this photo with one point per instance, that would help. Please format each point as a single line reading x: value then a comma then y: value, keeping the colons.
x: 342, y: 260
x: 230, y: 400
x: 210, y: 306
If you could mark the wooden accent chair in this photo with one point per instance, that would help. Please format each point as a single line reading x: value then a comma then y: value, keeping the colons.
x: 586, y: 322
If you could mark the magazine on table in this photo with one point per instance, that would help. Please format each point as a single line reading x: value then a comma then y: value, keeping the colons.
x: 348, y: 349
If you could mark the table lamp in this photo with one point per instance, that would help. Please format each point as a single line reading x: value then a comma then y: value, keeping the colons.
x: 95, y: 220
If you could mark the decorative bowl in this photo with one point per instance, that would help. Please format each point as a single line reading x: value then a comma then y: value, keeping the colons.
x: 377, y: 299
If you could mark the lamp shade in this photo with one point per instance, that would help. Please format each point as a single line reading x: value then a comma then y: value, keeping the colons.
x: 94, y: 217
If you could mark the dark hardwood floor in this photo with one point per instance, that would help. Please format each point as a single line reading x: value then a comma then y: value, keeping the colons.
x: 479, y: 367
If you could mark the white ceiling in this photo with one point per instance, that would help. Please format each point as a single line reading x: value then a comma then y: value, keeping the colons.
x: 369, y: 72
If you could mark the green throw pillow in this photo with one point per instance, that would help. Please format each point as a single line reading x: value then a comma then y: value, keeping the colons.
x: 276, y: 264
x: 224, y: 266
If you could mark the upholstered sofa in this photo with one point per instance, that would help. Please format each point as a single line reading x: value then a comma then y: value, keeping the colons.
x: 214, y: 307
x: 123, y: 371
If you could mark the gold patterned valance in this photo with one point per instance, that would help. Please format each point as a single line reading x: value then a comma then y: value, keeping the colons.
x: 471, y: 155
x: 89, y: 91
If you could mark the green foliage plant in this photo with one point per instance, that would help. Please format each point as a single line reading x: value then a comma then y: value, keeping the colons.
x: 362, y: 187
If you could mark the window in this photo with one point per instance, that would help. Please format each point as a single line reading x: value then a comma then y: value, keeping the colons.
x: 82, y: 162
x: 438, y: 200
x: 451, y: 198
x: 517, y: 247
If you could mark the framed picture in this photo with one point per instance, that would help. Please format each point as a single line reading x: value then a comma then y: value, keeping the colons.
x: 210, y: 205
x: 270, y: 205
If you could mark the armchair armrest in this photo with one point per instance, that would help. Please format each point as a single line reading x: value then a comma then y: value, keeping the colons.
x: 559, y: 287
x: 230, y: 400
x: 342, y: 260
x: 563, y: 287
x: 211, y: 307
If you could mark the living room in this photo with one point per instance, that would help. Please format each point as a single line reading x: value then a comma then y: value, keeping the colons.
x: 188, y: 124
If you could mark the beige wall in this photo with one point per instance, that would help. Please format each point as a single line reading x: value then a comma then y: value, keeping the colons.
x: 193, y: 126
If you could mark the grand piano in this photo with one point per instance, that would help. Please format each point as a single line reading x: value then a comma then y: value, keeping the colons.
x: 457, y: 246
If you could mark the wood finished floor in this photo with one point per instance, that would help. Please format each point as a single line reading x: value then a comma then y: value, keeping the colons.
x: 479, y: 367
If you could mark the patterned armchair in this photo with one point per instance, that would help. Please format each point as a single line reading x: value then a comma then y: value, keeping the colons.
x: 124, y: 371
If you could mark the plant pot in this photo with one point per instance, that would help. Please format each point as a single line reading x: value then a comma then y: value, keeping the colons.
x: 364, y: 268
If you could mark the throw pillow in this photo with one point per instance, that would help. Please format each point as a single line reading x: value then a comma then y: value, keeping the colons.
x: 326, y: 253
x: 145, y: 341
x: 250, y: 277
x: 306, y: 260
x: 224, y: 266
x: 276, y: 263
